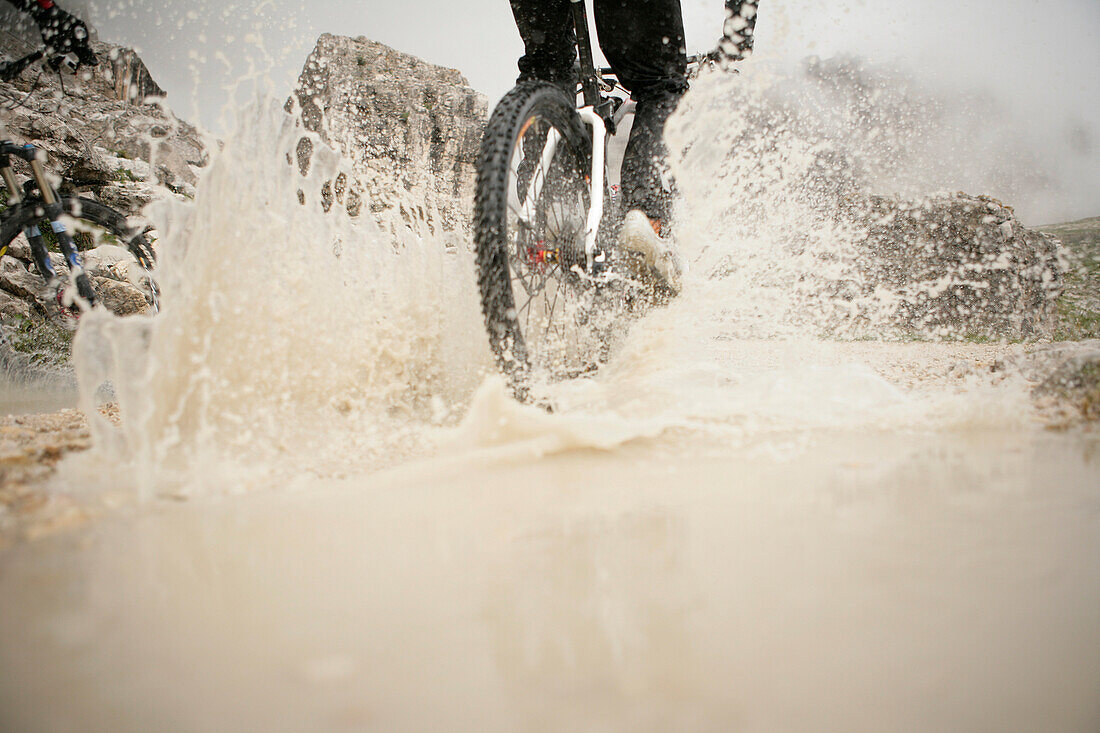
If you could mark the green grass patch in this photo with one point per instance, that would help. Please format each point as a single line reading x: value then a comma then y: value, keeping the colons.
x: 43, y: 343
x: 1079, y: 304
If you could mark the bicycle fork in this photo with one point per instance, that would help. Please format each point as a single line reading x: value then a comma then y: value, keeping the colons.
x: 52, y: 210
x: 590, y: 117
x: 595, y: 211
x: 538, y: 177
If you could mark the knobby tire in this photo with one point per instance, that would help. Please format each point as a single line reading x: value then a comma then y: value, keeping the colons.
x: 24, y: 215
x: 494, y: 176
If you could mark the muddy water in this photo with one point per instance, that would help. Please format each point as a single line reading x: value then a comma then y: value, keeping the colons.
x: 24, y: 389
x: 866, y: 581
x: 18, y: 398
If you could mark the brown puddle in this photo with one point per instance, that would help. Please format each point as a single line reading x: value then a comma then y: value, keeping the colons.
x: 858, y: 581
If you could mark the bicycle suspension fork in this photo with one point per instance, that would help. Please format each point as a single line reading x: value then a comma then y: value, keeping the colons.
x: 595, y: 209
x: 52, y: 210
x: 596, y: 177
x: 596, y: 114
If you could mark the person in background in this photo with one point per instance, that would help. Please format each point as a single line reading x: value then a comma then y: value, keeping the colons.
x: 62, y: 32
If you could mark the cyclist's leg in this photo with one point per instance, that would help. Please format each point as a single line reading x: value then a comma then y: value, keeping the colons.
x: 546, y: 27
x: 644, y: 44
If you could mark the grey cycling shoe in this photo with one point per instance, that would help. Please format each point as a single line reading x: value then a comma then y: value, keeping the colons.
x: 639, y: 236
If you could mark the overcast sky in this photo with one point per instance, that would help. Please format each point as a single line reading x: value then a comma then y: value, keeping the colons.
x: 1036, y: 55
x: 1031, y: 50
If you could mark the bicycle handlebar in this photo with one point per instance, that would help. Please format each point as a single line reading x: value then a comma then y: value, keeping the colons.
x: 695, y: 59
x: 23, y: 152
x: 10, y: 70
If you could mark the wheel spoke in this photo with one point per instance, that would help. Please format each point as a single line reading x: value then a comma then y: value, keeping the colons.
x: 554, y: 304
x: 543, y: 206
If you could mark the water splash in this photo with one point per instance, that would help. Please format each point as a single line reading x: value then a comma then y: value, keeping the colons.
x: 790, y: 187
x: 290, y: 339
x: 775, y: 333
x: 297, y: 342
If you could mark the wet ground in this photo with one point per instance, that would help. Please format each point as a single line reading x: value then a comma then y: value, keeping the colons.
x: 904, y: 580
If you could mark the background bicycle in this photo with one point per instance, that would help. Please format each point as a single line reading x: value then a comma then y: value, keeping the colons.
x: 62, y: 252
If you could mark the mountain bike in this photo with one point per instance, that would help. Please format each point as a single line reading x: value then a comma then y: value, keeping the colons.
x: 553, y: 290
x: 100, y: 257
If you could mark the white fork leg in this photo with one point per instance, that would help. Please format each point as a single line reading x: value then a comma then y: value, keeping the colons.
x: 595, y: 210
x: 538, y: 177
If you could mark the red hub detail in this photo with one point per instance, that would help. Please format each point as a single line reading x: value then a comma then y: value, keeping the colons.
x: 539, y: 254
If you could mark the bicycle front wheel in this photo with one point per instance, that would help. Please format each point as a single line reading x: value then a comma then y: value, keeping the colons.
x: 118, y: 258
x: 530, y: 214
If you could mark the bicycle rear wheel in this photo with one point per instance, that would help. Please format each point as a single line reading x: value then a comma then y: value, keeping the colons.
x: 530, y: 213
x: 118, y: 257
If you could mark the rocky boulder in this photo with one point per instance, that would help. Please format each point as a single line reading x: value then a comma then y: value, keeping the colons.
x: 1079, y: 306
x: 105, y: 131
x: 960, y: 266
x: 410, y: 129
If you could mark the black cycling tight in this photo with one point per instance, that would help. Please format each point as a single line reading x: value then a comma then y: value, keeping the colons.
x: 643, y: 41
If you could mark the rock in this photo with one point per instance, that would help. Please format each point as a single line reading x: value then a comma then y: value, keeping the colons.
x: 129, y: 77
x: 107, y: 136
x: 41, y: 129
x: 126, y: 197
x: 17, y: 280
x: 90, y: 169
x: 411, y: 130
x: 109, y: 114
x: 962, y: 267
x: 116, y: 276
x: 105, y: 256
x: 20, y: 249
x: 1079, y: 306
x: 13, y: 306
x: 173, y: 161
x: 120, y: 298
